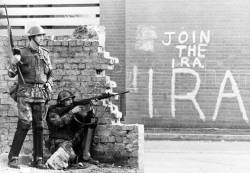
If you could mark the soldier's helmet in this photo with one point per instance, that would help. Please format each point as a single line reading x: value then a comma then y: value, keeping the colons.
x: 63, y: 95
x: 35, y: 30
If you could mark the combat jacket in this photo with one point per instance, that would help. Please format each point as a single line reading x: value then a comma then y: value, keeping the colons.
x: 59, y: 122
x: 36, y: 69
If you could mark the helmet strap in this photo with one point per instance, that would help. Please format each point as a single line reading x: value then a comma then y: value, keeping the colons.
x: 33, y: 38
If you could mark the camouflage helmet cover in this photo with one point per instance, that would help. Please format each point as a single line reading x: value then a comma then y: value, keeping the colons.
x: 63, y: 95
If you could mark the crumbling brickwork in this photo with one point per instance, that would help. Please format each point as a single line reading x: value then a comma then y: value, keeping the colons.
x: 79, y: 66
x: 121, y: 144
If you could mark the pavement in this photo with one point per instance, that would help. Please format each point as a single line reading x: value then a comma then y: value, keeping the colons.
x: 196, y: 157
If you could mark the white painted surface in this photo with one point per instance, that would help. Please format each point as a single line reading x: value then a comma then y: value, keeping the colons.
x: 69, y: 16
x: 134, y: 80
x: 17, y: 2
x: 168, y: 39
x: 188, y: 96
x: 54, y: 11
x: 235, y: 94
x: 145, y: 36
x: 150, y: 93
x: 55, y: 21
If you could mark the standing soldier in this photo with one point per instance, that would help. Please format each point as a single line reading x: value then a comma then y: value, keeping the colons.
x: 33, y: 67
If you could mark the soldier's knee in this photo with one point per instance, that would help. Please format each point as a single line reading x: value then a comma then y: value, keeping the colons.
x: 23, y: 124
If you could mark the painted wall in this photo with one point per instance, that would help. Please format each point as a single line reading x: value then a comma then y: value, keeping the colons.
x: 188, y: 63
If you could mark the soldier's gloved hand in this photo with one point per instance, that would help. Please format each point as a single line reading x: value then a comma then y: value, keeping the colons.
x: 76, y: 109
x: 16, y: 51
x: 15, y: 59
x: 48, y: 86
x: 94, y: 102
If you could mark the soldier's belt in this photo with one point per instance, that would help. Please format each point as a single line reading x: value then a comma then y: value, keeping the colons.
x: 33, y: 84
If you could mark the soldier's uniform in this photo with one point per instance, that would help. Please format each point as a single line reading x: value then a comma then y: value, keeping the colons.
x: 32, y: 96
x: 67, y: 127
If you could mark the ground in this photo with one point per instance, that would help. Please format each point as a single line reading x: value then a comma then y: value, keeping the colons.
x: 163, y: 156
x: 25, y: 168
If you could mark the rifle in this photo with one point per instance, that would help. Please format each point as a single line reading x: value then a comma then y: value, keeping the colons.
x: 12, y: 49
x: 91, y: 119
x: 88, y: 101
x: 64, y: 109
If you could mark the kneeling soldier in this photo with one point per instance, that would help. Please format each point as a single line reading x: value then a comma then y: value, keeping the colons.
x: 72, y: 127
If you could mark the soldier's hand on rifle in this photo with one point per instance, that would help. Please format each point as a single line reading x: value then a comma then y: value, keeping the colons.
x: 16, y: 51
x: 48, y: 86
x: 16, y: 58
x: 76, y: 109
x: 94, y: 102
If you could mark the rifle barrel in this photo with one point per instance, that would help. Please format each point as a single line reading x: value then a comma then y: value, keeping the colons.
x: 9, y: 28
x: 124, y: 92
x: 6, y: 14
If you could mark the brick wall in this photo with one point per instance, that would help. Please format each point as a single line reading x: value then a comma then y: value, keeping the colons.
x: 76, y: 64
x: 79, y: 66
x: 112, y: 17
x: 221, y: 31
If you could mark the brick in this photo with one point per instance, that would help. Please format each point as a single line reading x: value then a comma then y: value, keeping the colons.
x: 59, y: 66
x: 87, y: 43
x: 100, y: 54
x: 74, y: 60
x: 82, y: 66
x: 57, y: 43
x: 21, y: 43
x: 79, y: 42
x: 94, y: 49
x: 104, y: 139
x: 118, y: 139
x: 72, y: 43
x: 59, y: 72
x: 77, y: 49
x: 88, y: 72
x: 83, y: 78
x: 72, y: 72
x: 86, y: 49
x: 111, y: 139
x: 67, y: 66
x: 71, y: 78
x: 96, y: 139
x: 94, y: 55
x: 95, y: 43
x: 65, y: 43
x: 3, y: 72
x: 50, y: 43
x: 74, y: 66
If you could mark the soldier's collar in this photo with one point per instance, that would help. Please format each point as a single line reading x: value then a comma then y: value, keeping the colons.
x: 37, y: 50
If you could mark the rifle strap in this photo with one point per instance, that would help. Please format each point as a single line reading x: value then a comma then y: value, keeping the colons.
x: 20, y: 74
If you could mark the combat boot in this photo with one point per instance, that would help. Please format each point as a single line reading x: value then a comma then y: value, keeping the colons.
x: 39, y: 164
x: 14, y: 163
